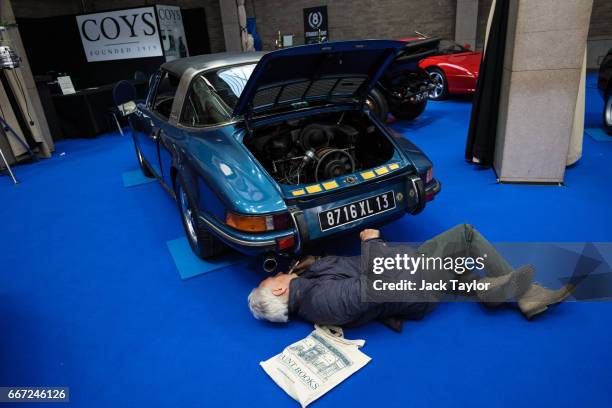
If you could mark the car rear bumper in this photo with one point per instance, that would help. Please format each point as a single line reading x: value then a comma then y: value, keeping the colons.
x: 411, y: 196
x: 250, y: 244
x: 432, y: 189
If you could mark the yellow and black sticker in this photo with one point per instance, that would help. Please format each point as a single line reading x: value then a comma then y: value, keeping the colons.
x: 315, y: 188
x: 382, y: 170
x: 366, y: 175
x: 330, y: 185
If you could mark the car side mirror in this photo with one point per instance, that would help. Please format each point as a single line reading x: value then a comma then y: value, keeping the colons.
x: 467, y: 46
x: 127, y: 108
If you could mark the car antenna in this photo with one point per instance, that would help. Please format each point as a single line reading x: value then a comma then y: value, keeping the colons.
x: 341, y: 117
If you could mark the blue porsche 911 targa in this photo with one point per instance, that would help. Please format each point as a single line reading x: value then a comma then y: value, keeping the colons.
x: 265, y: 152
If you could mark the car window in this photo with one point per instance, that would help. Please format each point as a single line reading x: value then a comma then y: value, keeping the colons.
x: 229, y: 82
x: 450, y: 47
x: 203, y: 107
x: 164, y: 96
x: 213, y: 95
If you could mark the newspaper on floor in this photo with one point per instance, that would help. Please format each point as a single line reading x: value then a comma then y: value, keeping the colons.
x: 311, y: 367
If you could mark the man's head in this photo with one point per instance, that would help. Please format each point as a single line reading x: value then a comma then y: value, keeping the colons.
x: 270, y: 300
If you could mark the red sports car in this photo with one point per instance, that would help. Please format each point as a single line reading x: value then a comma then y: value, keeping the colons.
x: 454, y: 70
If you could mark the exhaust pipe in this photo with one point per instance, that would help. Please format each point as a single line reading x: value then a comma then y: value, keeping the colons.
x: 269, y: 263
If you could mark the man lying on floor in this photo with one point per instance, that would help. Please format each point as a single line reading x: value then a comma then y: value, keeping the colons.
x: 327, y: 290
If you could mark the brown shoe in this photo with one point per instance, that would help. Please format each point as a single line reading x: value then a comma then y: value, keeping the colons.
x: 537, y: 299
x: 507, y: 287
x: 394, y: 323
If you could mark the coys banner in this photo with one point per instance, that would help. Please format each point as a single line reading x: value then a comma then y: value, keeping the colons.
x: 121, y: 34
x: 172, y: 32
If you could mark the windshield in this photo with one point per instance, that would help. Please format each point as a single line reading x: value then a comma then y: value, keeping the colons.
x: 228, y: 83
x: 450, y: 47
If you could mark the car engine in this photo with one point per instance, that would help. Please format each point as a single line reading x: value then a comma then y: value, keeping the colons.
x: 318, y: 148
x: 315, y: 152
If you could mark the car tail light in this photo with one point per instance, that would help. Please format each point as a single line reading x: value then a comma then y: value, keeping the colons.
x: 429, y: 175
x: 285, y: 243
x: 258, y: 223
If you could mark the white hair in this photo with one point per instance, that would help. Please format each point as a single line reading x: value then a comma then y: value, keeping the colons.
x: 264, y: 305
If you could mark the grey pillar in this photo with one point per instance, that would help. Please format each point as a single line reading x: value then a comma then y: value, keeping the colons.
x: 22, y: 79
x: 466, y: 22
x: 542, y: 68
x: 231, y: 28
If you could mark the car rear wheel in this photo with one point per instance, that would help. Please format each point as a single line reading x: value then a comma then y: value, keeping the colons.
x: 143, y: 165
x: 408, y: 110
x: 203, y: 243
x: 378, y: 104
x: 607, y: 114
x: 440, y: 90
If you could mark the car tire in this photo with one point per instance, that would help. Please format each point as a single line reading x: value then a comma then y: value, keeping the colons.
x: 378, y: 105
x: 440, y: 92
x: 408, y: 110
x: 144, y: 167
x: 607, y: 114
x: 203, y: 243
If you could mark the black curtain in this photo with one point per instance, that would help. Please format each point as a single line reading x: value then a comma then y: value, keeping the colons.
x: 196, y: 31
x: 53, y: 44
x: 483, y: 122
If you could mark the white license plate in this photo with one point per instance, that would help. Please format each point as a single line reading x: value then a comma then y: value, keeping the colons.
x: 357, y: 210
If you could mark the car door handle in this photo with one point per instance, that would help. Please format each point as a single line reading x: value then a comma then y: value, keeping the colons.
x: 155, y: 134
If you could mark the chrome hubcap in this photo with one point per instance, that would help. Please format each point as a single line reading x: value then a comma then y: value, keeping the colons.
x: 438, y: 81
x: 608, y: 112
x: 372, y: 106
x: 187, y: 215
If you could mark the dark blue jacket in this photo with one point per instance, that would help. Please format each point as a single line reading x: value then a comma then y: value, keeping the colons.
x: 329, y: 293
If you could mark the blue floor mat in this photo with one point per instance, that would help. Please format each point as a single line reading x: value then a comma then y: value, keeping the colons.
x: 189, y: 265
x: 135, y: 178
x: 90, y: 298
x: 598, y: 134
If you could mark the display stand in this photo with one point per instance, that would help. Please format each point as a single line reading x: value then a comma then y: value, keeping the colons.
x: 9, y: 61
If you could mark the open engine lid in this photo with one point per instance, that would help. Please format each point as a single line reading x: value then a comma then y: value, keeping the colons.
x: 297, y: 77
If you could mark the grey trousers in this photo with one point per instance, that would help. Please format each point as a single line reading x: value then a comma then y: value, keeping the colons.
x: 463, y: 241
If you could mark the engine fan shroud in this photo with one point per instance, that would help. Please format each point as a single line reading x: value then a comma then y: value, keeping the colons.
x: 332, y: 163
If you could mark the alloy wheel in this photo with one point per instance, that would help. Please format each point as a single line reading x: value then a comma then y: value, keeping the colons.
x: 438, y: 89
x: 187, y: 214
x: 372, y: 105
x: 608, y: 112
x: 140, y: 160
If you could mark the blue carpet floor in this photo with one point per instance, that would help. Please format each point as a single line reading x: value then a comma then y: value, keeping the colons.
x: 189, y: 265
x: 135, y: 178
x: 90, y: 297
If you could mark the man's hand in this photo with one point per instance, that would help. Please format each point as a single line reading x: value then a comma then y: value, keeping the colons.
x: 303, y: 264
x: 369, y: 234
